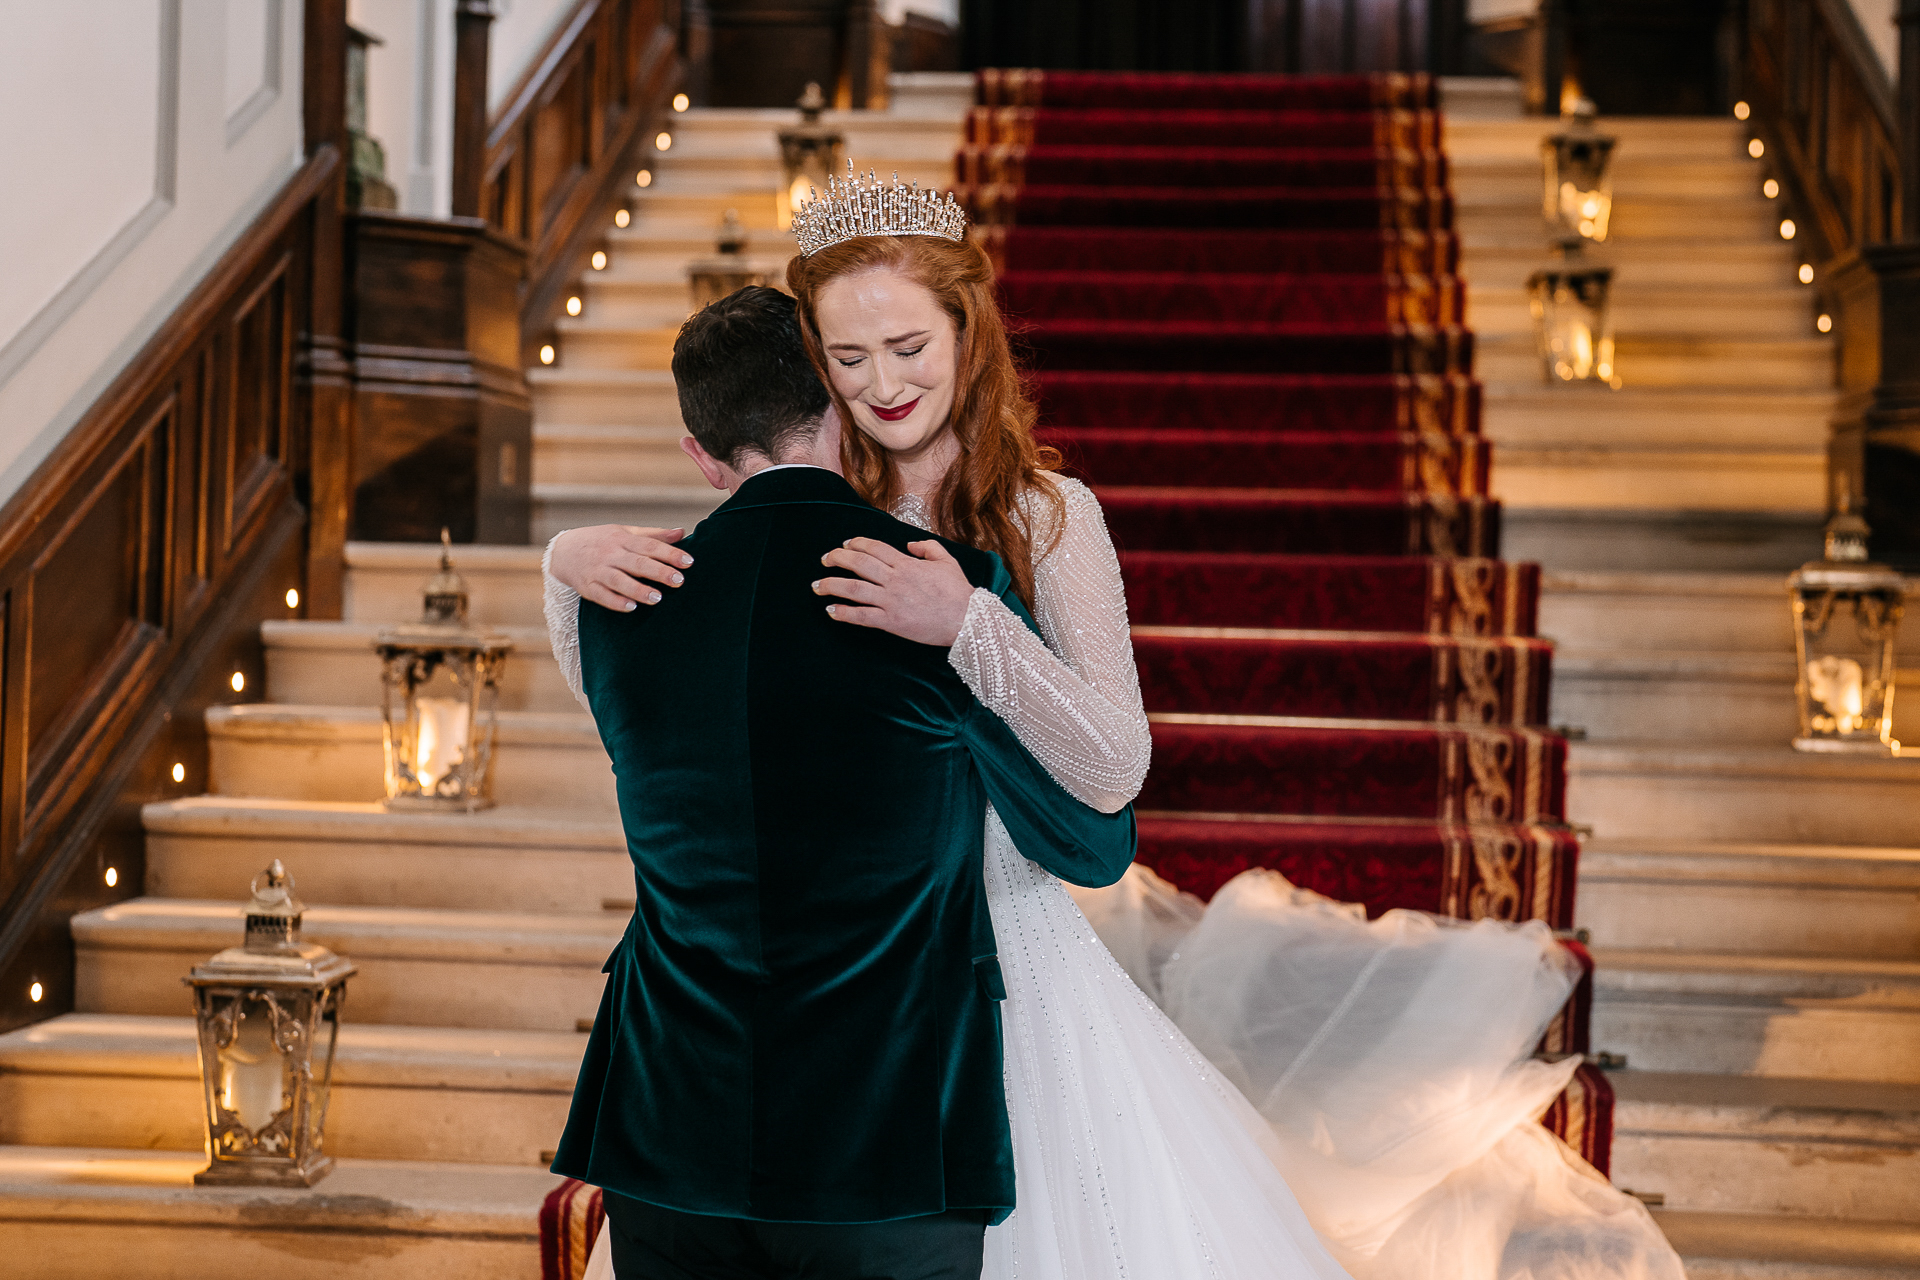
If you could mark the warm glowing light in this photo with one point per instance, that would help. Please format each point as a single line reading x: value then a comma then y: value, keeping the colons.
x: 293, y: 597
x: 621, y: 217
x: 1787, y: 228
x: 573, y: 306
x: 546, y: 354
x: 681, y: 102
x: 179, y: 772
x: 1806, y: 273
x: 1756, y: 148
x: 1741, y: 111
x: 644, y: 178
x: 113, y: 876
x: 1770, y: 189
x: 1824, y: 324
x: 239, y: 682
x: 663, y: 141
x: 599, y: 259
x: 442, y: 743
x: 35, y: 991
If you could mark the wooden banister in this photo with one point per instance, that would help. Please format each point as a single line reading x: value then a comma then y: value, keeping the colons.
x: 560, y: 149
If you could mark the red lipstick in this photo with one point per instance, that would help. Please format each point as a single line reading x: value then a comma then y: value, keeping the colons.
x: 894, y: 415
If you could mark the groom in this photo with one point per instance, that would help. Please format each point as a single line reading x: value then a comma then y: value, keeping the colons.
x: 795, y: 1071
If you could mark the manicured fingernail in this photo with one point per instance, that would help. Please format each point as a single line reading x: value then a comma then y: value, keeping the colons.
x: 829, y: 611
x: 630, y: 606
x: 816, y: 586
x: 679, y: 578
x: 686, y: 562
x: 653, y: 597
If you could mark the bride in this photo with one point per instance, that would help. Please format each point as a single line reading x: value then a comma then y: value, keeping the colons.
x: 1268, y: 1087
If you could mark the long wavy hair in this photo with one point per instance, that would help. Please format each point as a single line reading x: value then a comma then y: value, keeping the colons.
x: 979, y: 501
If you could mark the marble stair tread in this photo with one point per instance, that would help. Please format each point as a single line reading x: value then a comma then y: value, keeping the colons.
x: 359, y: 854
x: 1728, y: 896
x: 97, y: 1044
x: 1612, y: 477
x: 1676, y: 664
x: 1785, y: 1247
x: 1781, y: 762
x: 334, y: 664
x: 73, y: 1213
x: 362, y: 932
x: 418, y: 966
x: 1500, y: 260
x: 1832, y: 1148
x: 383, y: 581
x: 310, y: 752
x: 1862, y: 982
x: 1516, y: 414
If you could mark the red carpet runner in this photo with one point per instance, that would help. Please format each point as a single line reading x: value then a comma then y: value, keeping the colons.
x: 1237, y: 294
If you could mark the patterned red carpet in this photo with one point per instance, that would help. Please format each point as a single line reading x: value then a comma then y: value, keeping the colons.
x: 1239, y: 300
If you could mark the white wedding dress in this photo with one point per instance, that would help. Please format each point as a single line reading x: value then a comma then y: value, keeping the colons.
x: 1265, y: 1088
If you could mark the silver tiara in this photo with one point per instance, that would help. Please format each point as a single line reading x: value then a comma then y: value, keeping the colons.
x: 871, y: 208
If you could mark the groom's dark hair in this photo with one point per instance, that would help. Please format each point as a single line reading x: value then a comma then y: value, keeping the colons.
x: 746, y: 384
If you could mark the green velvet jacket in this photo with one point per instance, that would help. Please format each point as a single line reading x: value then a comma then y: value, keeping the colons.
x: 800, y: 1023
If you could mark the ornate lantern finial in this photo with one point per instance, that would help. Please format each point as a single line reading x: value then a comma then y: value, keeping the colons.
x: 809, y: 154
x: 444, y: 601
x: 273, y: 917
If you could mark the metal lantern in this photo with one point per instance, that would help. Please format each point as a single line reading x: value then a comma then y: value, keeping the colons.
x: 1846, y: 614
x: 440, y: 700
x: 809, y: 154
x: 1571, y: 322
x: 1579, y: 180
x: 728, y: 270
x: 268, y: 1014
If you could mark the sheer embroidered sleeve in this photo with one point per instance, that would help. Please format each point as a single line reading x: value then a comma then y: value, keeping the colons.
x: 1074, y: 699
x: 562, y: 607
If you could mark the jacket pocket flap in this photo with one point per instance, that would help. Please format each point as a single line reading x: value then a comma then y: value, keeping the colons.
x: 986, y: 971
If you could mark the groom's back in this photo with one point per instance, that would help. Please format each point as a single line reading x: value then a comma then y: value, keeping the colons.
x: 805, y: 824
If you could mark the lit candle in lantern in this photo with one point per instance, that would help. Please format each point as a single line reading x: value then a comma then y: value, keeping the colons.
x: 250, y: 1071
x: 443, y: 738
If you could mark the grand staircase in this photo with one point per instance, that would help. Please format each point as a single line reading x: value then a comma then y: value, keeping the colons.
x: 1752, y: 912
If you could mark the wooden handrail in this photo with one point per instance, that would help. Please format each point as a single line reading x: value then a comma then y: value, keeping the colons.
x: 559, y: 151
x: 1825, y: 108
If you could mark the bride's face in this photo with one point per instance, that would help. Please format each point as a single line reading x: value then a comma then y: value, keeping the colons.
x: 891, y: 352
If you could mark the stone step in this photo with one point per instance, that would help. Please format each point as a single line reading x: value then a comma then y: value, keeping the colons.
x: 870, y: 136
x: 1780, y: 899
x: 1734, y: 1144
x: 1739, y: 1246
x: 1678, y: 696
x: 1496, y: 263
x: 1678, y: 360
x: 1774, y: 309
x: 1519, y: 416
x: 1617, y: 478
x: 419, y: 967
x: 1808, y: 1017
x: 1667, y: 611
x: 1481, y: 98
x: 1645, y: 138
x: 602, y: 455
x: 1642, y: 217
x: 1645, y: 540
x: 384, y: 581
x: 347, y: 855
x: 604, y: 397
x: 659, y: 506
x: 601, y: 344
x: 333, y: 664
x: 1672, y: 791
x: 942, y: 95
x: 281, y: 751
x: 637, y: 300
x: 486, y: 1097
x: 1519, y: 181
x: 72, y: 1213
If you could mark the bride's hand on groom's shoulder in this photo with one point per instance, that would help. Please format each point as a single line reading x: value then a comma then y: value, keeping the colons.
x: 619, y: 566
x: 921, y: 597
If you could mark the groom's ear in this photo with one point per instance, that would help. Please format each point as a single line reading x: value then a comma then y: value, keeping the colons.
x: 710, y: 467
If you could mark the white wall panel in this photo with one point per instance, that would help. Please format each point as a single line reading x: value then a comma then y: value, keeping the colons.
x: 124, y: 191
x: 92, y: 91
x: 248, y: 73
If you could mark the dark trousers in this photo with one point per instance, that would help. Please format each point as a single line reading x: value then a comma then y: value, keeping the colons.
x: 651, y: 1243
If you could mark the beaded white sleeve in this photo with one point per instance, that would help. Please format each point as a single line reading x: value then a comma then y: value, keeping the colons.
x: 1073, y: 699
x: 561, y: 604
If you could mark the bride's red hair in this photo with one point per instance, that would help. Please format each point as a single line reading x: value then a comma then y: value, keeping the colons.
x: 979, y: 500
